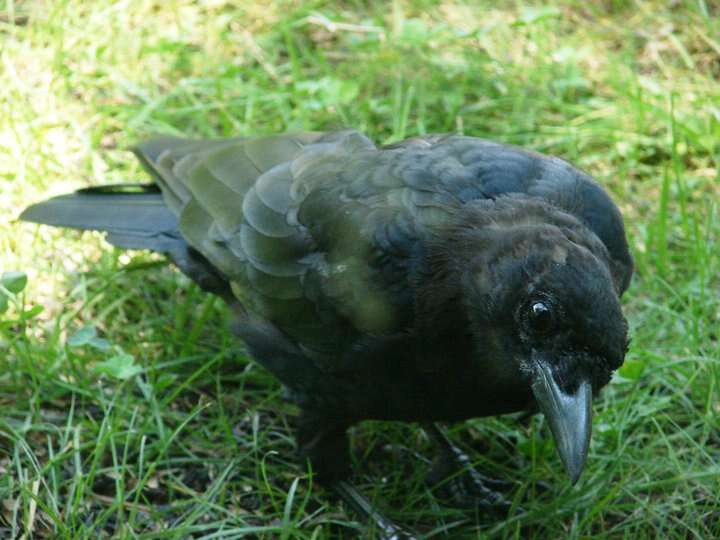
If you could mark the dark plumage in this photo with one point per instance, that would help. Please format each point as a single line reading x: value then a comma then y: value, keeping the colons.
x: 437, y: 279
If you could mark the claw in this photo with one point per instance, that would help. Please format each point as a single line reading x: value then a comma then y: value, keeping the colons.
x: 362, y: 506
x: 454, y: 478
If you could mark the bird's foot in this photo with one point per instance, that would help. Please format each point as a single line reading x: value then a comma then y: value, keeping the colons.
x: 453, y: 478
x: 467, y: 488
x: 386, y: 529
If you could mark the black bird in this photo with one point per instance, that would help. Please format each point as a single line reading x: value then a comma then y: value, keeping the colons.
x: 437, y: 279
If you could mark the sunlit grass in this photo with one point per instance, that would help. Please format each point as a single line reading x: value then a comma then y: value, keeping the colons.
x: 158, y: 427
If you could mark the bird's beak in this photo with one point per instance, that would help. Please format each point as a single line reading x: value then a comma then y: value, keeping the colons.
x: 569, y: 415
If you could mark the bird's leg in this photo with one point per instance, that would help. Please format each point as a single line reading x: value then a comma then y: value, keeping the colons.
x: 325, y: 444
x: 455, y: 478
x: 387, y: 529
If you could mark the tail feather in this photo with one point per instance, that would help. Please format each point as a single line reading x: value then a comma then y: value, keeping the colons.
x: 133, y: 216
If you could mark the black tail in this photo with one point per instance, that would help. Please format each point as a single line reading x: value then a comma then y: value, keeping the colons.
x: 134, y: 216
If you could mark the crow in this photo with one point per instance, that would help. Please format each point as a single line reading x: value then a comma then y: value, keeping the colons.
x: 437, y: 279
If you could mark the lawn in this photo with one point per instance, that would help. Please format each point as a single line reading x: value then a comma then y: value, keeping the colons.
x: 129, y: 411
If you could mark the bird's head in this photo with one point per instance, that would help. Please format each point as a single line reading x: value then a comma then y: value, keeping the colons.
x: 539, y: 295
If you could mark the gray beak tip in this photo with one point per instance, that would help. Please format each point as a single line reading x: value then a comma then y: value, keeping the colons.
x: 569, y: 416
x: 574, y: 473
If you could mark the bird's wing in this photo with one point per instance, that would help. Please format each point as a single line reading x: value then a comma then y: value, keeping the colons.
x: 237, y: 202
x: 316, y: 233
x: 211, y: 187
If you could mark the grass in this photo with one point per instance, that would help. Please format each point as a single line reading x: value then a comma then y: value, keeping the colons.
x: 128, y: 411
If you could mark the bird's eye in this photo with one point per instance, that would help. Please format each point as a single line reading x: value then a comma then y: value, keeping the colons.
x: 540, y: 318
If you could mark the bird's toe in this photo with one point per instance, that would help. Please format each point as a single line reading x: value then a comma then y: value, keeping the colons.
x: 466, y: 488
